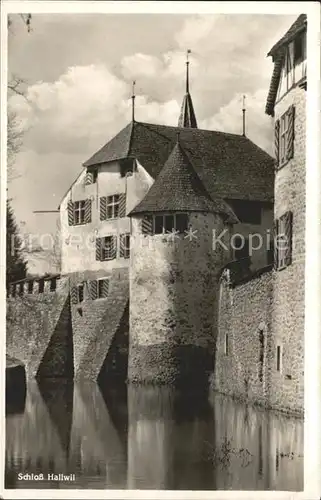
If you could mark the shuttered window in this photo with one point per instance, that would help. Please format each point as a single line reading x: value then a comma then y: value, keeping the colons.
x: 106, y: 248
x: 284, y: 137
x: 102, y: 288
x: 124, y: 246
x: 113, y: 207
x: 283, y: 241
x: 99, y: 289
x: 91, y: 176
x: 79, y: 212
x: 147, y: 225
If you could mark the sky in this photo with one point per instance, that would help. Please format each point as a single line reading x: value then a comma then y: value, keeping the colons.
x: 78, y: 71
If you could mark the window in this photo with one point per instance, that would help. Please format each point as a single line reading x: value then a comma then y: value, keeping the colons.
x: 248, y: 212
x: 80, y: 292
x: 294, y: 65
x: 278, y: 358
x: 106, y: 248
x: 126, y: 167
x: 41, y: 285
x: 21, y: 288
x: 30, y: 286
x: 283, y: 241
x: 113, y: 207
x: 102, y: 288
x: 53, y: 284
x: 124, y: 246
x: 170, y: 222
x: 91, y: 176
x: 284, y: 137
x: 79, y: 212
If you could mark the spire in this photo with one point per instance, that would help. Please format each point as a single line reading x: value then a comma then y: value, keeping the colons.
x: 244, y: 111
x: 133, y: 101
x: 187, y: 118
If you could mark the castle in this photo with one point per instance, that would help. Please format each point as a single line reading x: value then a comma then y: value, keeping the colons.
x: 159, y: 282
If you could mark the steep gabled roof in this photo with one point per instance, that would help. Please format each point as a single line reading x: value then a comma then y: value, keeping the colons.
x: 278, y: 53
x: 178, y: 188
x: 299, y: 24
x: 118, y: 147
x: 229, y: 165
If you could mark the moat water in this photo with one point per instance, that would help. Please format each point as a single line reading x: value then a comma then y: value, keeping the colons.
x: 148, y: 438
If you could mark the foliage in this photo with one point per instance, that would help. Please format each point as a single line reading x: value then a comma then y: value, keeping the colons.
x: 16, y: 265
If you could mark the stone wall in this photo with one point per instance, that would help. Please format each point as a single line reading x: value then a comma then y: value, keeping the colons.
x: 288, y: 296
x: 245, y: 360
x: 173, y: 301
x: 37, y: 331
x: 56, y: 338
x: 244, y: 312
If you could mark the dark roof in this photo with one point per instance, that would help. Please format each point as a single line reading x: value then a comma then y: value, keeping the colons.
x: 187, y: 116
x: 229, y: 165
x: 278, y: 52
x: 299, y: 24
x: 178, y: 188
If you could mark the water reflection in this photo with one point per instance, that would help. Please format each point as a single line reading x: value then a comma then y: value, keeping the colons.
x: 149, y: 438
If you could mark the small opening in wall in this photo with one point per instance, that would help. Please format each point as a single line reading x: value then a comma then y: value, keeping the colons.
x: 53, y: 284
x: 30, y: 286
x: 288, y: 377
x: 226, y: 345
x: 278, y: 358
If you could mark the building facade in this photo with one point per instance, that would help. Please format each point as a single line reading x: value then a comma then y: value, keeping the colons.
x: 145, y: 262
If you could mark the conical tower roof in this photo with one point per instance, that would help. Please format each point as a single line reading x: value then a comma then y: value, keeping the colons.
x: 178, y: 188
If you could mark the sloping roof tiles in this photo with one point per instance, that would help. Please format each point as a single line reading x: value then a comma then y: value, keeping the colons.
x: 299, y: 25
x: 229, y: 165
x: 178, y: 188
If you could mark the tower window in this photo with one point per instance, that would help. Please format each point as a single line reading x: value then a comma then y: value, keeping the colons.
x: 226, y: 344
x: 30, y: 286
x: 170, y: 222
x: 241, y: 248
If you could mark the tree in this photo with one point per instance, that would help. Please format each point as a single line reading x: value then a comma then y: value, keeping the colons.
x: 16, y: 265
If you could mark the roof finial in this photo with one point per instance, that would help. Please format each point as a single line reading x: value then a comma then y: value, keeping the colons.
x: 243, y: 111
x: 187, y: 71
x: 133, y: 100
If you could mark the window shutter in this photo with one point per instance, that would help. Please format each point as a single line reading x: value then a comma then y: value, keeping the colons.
x: 98, y: 248
x: 147, y: 225
x: 124, y: 243
x: 114, y: 248
x: 89, y: 178
x: 87, y: 211
x: 277, y: 142
x: 275, y: 244
x: 70, y: 213
x: 93, y: 292
x: 122, y: 205
x: 105, y: 288
x: 288, y: 216
x: 103, y: 208
x: 290, y: 133
x: 73, y: 295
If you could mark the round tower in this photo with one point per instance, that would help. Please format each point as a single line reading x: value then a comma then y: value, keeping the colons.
x: 174, y: 275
